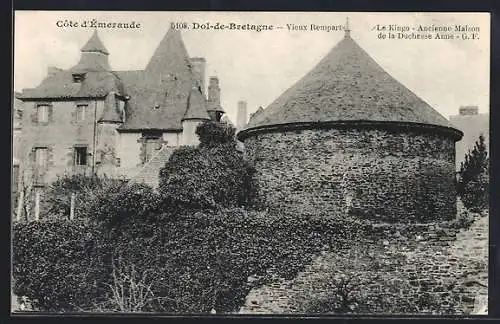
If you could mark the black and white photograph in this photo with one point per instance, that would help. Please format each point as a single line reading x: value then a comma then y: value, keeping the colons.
x: 250, y: 163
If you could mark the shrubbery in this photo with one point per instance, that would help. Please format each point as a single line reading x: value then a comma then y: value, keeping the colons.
x: 59, y: 265
x: 212, y: 175
x: 473, y: 183
x: 192, y: 262
x: 85, y: 187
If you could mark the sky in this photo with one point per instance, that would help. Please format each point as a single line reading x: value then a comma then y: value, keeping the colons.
x: 259, y: 66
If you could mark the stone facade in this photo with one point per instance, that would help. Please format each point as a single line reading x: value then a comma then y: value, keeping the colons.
x: 405, y: 264
x: 60, y: 135
x: 372, y: 173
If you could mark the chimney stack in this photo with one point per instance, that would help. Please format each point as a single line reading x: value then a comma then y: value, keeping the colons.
x: 241, y: 115
x: 198, y: 67
x: 468, y: 110
x: 213, y: 92
x: 214, y: 109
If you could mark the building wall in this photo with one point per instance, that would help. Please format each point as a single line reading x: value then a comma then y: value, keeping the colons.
x: 472, y: 126
x: 107, y: 158
x: 129, y: 150
x: 370, y: 173
x: 189, y: 136
x: 59, y: 136
x: 172, y: 139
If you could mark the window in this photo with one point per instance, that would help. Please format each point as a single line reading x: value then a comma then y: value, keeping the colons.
x: 78, y: 77
x: 40, y: 157
x: 80, y: 156
x: 81, y: 111
x: 42, y: 113
x: 152, y: 146
x: 152, y: 142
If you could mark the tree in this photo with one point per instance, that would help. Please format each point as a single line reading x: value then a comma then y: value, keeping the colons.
x: 212, y: 175
x: 473, y: 182
x: 212, y: 134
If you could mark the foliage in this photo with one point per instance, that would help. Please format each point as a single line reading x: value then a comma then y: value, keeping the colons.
x: 59, y: 265
x: 212, y: 133
x: 203, y: 259
x: 212, y: 175
x: 109, y: 208
x: 58, y: 195
x: 183, y: 262
x: 473, y: 182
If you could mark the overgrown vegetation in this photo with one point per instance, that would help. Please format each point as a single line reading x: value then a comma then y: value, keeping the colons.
x: 473, y: 183
x: 212, y: 175
x: 189, y: 248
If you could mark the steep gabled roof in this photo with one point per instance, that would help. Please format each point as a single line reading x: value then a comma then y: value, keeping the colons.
x: 159, y: 94
x: 61, y: 86
x: 170, y: 55
x: 347, y: 85
x: 98, y: 79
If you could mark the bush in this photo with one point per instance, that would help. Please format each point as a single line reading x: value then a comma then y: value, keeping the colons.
x: 58, y: 195
x: 204, y: 259
x: 212, y: 133
x: 188, y: 262
x: 59, y: 266
x: 111, y: 208
x: 210, y: 176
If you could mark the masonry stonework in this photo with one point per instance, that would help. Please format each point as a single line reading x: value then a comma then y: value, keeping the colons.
x: 375, y: 174
x: 433, y: 268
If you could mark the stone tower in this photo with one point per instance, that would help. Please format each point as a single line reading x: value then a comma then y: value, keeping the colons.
x: 349, y: 138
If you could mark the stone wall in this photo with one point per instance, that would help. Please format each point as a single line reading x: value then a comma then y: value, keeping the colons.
x: 373, y: 174
x: 421, y: 268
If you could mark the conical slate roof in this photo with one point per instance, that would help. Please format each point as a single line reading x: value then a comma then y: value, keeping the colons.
x: 347, y: 85
x: 196, y: 107
x: 94, y: 44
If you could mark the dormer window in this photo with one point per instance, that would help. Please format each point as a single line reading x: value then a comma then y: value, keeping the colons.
x: 78, y: 77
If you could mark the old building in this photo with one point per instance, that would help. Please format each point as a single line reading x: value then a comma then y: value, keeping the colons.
x: 17, y: 112
x: 472, y: 124
x: 93, y: 119
x: 349, y: 138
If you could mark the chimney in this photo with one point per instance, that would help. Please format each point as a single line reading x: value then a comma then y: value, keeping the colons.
x: 198, y: 68
x: 241, y: 115
x: 52, y: 70
x: 213, y: 92
x: 468, y: 110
